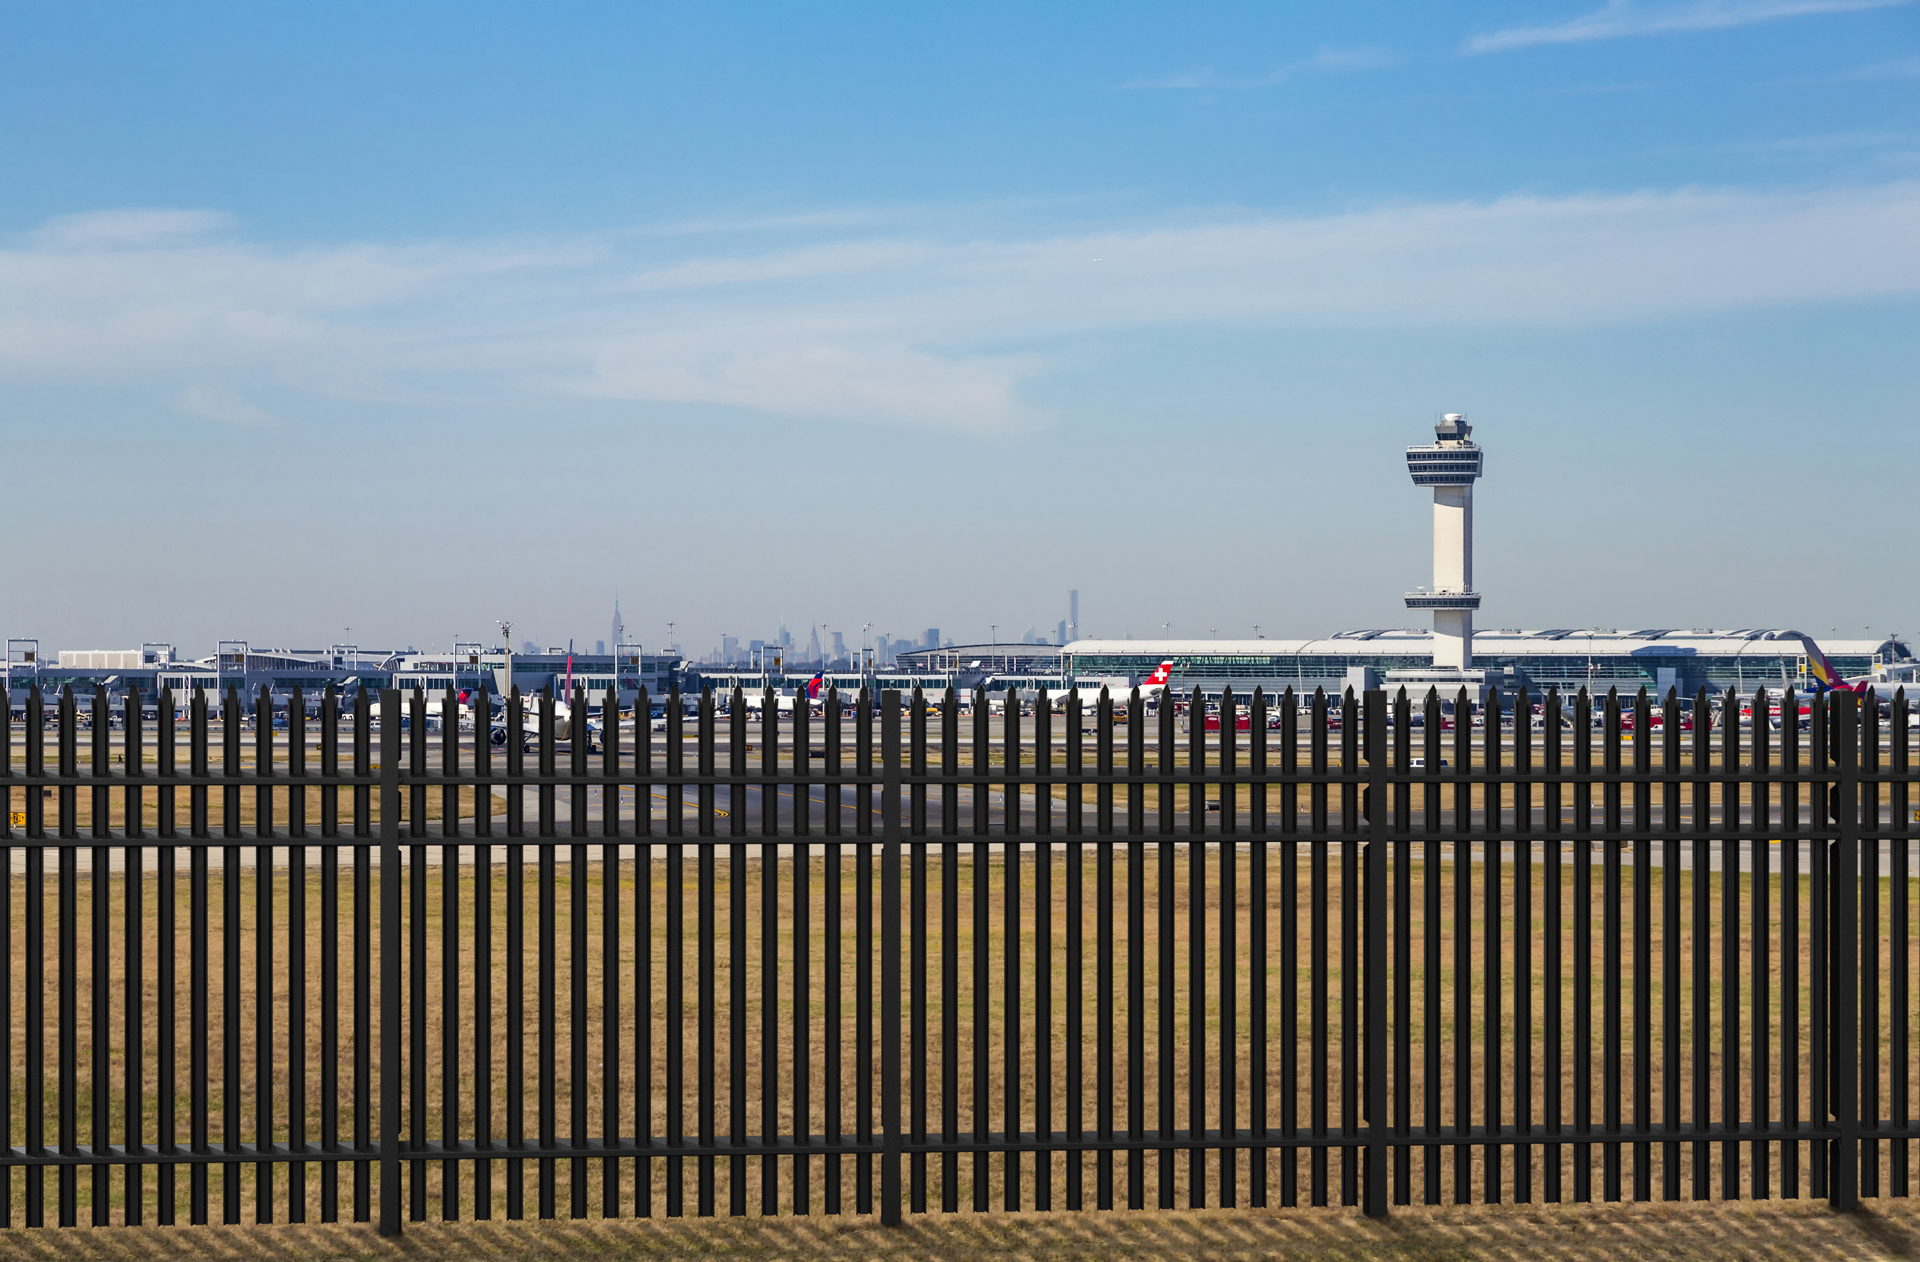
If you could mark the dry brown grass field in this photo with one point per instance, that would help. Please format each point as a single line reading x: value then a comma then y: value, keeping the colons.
x: 982, y: 1058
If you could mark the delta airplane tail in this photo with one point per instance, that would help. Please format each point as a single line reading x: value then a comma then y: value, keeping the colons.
x: 815, y: 685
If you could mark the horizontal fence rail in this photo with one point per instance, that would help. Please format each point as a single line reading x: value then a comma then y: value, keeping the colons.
x: 897, y: 953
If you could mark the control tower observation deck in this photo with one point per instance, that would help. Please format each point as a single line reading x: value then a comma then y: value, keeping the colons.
x: 1450, y: 466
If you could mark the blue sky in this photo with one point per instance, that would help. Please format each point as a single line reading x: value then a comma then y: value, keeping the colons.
x: 409, y: 318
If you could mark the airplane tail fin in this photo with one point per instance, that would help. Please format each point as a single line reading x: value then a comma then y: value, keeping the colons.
x: 1825, y: 677
x: 1161, y: 674
x: 814, y: 684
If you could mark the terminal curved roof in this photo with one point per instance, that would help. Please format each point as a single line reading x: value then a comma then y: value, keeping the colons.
x: 1769, y: 642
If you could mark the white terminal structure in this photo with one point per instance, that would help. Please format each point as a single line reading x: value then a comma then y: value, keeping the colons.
x: 1450, y: 465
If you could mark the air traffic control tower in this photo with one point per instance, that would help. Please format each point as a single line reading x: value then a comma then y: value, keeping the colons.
x: 1450, y: 466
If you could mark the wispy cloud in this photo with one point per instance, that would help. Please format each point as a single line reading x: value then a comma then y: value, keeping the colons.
x: 1875, y: 72
x: 926, y: 329
x: 218, y: 403
x: 1327, y: 60
x: 108, y: 229
x: 1825, y: 145
x: 837, y: 259
x: 1618, y: 19
x: 1904, y: 68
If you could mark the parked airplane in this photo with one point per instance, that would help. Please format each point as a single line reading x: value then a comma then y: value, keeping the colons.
x: 436, y: 703
x: 1825, y: 677
x: 815, y: 692
x: 1155, y: 684
x: 562, y: 718
x: 596, y: 724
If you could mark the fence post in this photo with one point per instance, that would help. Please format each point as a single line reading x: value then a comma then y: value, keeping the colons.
x: 890, y: 957
x: 1373, y: 995
x: 1844, y: 1046
x: 390, y: 962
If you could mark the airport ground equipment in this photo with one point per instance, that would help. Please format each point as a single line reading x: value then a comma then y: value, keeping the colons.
x: 885, y: 960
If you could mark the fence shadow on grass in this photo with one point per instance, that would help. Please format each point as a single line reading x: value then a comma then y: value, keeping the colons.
x: 1746, y: 1230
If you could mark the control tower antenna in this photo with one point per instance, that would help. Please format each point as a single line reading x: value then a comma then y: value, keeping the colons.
x: 1450, y: 466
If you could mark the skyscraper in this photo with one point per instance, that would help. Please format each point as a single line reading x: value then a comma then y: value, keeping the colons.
x: 619, y: 635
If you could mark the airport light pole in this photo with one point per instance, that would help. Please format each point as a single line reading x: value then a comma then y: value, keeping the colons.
x: 506, y: 636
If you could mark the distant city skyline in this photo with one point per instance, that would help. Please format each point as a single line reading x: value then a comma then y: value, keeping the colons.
x: 416, y: 319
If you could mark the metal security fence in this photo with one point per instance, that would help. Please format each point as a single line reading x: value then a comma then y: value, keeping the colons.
x: 908, y: 953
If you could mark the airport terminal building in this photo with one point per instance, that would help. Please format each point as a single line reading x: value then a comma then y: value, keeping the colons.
x: 347, y: 668
x: 1568, y: 659
x: 154, y: 666
x: 626, y: 670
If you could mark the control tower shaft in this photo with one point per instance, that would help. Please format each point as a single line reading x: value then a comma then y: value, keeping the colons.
x: 1450, y: 466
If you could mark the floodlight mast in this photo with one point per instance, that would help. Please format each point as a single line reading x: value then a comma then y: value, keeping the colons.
x: 1450, y: 465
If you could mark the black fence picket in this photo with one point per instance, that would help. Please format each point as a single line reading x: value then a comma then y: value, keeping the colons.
x: 1060, y: 1012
